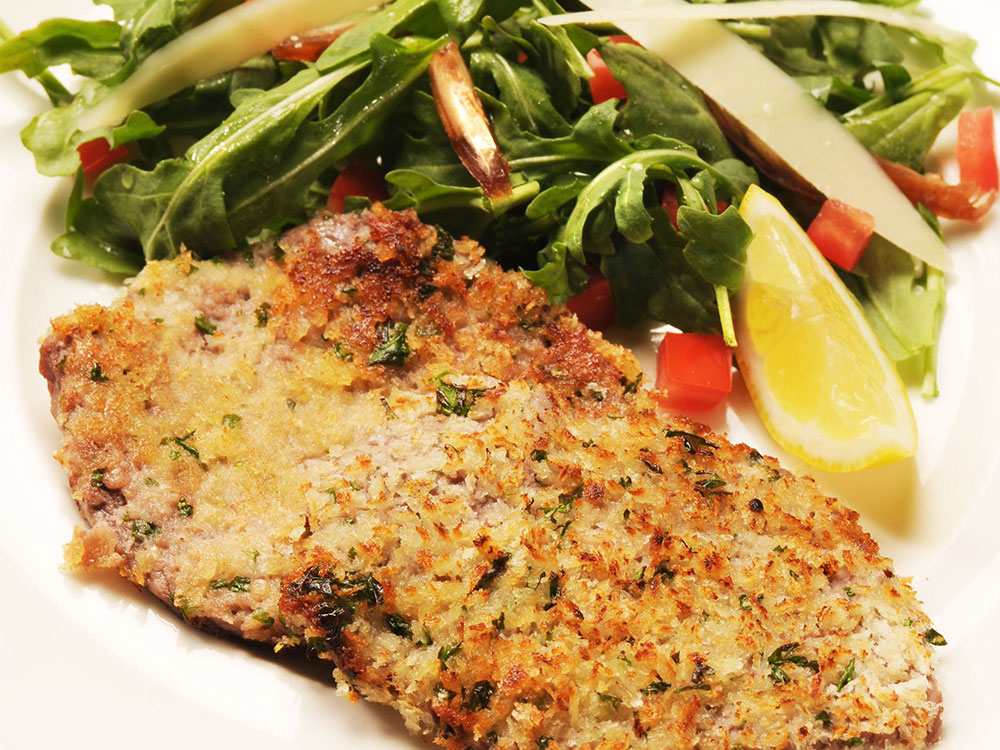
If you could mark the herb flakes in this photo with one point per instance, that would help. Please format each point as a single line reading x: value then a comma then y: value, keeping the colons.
x: 204, y: 325
x: 786, y: 655
x: 846, y: 677
x: 398, y: 625
x: 391, y: 348
x: 238, y: 585
x: 456, y: 400
x: 934, y: 638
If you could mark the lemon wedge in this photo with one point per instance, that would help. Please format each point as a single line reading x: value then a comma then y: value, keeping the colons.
x: 821, y: 382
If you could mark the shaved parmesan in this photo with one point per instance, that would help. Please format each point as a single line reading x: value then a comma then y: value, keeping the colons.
x: 762, y: 9
x: 218, y: 45
x: 777, y: 110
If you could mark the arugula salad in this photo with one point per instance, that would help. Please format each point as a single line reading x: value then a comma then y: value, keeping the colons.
x: 606, y: 162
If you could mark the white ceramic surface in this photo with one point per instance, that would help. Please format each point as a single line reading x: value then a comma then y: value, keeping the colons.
x: 90, y: 660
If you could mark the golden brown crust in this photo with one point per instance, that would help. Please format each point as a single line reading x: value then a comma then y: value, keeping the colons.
x: 492, y: 529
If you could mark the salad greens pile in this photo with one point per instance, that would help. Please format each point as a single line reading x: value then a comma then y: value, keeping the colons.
x: 256, y: 149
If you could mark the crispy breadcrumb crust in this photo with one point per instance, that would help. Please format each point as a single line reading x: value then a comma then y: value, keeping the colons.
x: 494, y: 532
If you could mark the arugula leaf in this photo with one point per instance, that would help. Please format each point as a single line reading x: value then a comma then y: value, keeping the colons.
x: 558, y: 274
x: 421, y: 17
x: 653, y: 279
x: 257, y: 197
x: 89, y: 47
x: 52, y: 136
x: 523, y: 92
x: 903, y: 305
x: 905, y: 131
x: 617, y: 183
x: 661, y: 102
x: 147, y: 25
x: 258, y: 166
x: 717, y: 244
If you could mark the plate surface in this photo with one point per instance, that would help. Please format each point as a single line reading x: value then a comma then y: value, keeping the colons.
x: 89, y: 659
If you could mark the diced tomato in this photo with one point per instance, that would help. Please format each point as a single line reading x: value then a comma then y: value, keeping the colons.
x: 694, y: 371
x: 841, y: 233
x: 97, y: 155
x: 309, y: 45
x: 595, y: 306
x: 977, y: 153
x: 522, y: 56
x: 603, y: 85
x: 624, y: 39
x: 356, y: 180
x: 668, y: 201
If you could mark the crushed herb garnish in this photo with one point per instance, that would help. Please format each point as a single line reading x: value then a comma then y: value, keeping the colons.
x: 446, y: 652
x: 143, y: 530
x: 824, y: 718
x: 263, y: 314
x: 692, y: 443
x: 390, y: 344
x: 456, y: 400
x: 444, y: 248
x: 205, y: 325
x: 238, y: 585
x: 342, y: 351
x: 537, y: 455
x: 398, y: 625
x: 97, y: 477
x: 479, y: 696
x: 231, y: 420
x: 935, y: 638
x: 613, y: 700
x: 498, y: 566
x: 184, y: 508
x: 631, y: 386
x: 846, y: 677
x: 656, y: 686
x: 97, y: 374
x: 263, y: 617
x: 786, y: 655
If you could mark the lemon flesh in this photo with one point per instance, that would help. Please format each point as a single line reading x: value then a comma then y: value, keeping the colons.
x: 821, y: 382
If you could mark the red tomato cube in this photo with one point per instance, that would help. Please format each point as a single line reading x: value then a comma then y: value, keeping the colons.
x: 356, y: 180
x: 595, y: 306
x: 841, y: 233
x: 603, y: 85
x: 694, y: 371
x: 977, y: 153
x: 97, y: 155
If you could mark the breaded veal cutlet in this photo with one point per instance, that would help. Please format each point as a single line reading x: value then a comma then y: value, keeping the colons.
x: 370, y: 443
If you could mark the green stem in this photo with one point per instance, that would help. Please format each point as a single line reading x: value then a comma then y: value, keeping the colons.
x: 725, y: 316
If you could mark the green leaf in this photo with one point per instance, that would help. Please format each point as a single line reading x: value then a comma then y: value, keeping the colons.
x: 716, y: 244
x: 53, y: 137
x: 148, y: 25
x: 523, y: 92
x: 182, y: 201
x: 904, y: 132
x: 660, y: 102
x: 89, y: 47
x: 558, y: 274
x: 903, y: 304
x: 653, y: 279
x: 617, y: 183
x: 418, y: 16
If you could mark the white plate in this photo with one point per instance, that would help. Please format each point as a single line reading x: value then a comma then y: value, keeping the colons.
x: 90, y: 660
